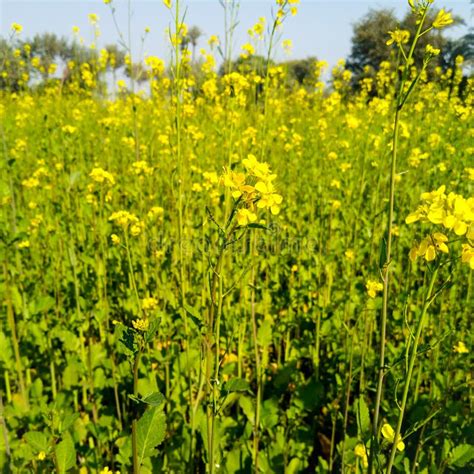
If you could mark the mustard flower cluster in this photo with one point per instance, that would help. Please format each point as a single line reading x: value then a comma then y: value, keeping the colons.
x: 128, y: 221
x: 254, y: 190
x: 453, y: 213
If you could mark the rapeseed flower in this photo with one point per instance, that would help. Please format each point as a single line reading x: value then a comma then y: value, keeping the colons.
x: 389, y: 434
x: 245, y: 217
x: 141, y: 324
x: 429, y: 247
x: 373, y: 287
x: 461, y: 348
x: 361, y: 452
x: 398, y: 37
x: 443, y: 19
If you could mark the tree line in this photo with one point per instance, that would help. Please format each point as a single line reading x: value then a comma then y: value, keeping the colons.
x: 40, y: 55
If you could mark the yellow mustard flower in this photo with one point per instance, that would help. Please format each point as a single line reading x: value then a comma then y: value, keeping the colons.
x: 16, y: 28
x: 361, y: 452
x: 245, y: 217
x: 389, y: 434
x: 443, y: 18
x: 149, y: 304
x: 373, y: 287
x: 467, y: 255
x: 430, y: 246
x: 460, y: 348
x: 398, y: 37
x: 141, y: 324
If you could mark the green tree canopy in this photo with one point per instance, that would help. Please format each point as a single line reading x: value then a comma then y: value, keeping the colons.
x: 370, y: 35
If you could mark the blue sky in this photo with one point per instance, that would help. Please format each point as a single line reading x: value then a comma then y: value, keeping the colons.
x: 322, y: 28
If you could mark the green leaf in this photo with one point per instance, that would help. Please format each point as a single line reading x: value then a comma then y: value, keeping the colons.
x: 269, y: 413
x: 194, y: 315
x: 150, y: 433
x: 65, y: 455
x: 237, y: 385
x: 37, y: 440
x: 264, y: 335
x: 155, y: 399
x: 67, y: 421
x: 363, y: 417
x: 257, y: 226
x: 127, y: 339
x: 154, y: 325
x: 383, y: 254
x: 294, y: 466
x: 461, y: 455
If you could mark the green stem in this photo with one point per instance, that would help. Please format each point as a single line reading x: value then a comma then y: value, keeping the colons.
x: 136, y: 364
x: 386, y: 266
x: 257, y: 364
x: 411, y: 364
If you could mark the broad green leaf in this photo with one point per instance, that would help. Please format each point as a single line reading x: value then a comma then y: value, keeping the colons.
x: 194, y: 315
x: 155, y: 399
x: 363, y: 417
x: 65, y: 455
x: 237, y: 385
x: 67, y: 421
x: 150, y: 432
x: 269, y: 413
x: 294, y: 466
x: 37, y: 440
x: 461, y: 455
x: 154, y: 325
x: 265, y: 333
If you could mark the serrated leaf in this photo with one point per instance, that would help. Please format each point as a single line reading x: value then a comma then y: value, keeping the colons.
x: 37, y: 440
x: 65, y: 455
x: 150, y: 432
x: 154, y: 325
x: 237, y: 385
x: 461, y: 455
x: 155, y: 399
x: 67, y: 421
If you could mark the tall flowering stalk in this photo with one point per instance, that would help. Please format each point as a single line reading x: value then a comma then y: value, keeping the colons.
x: 252, y: 191
x: 400, y: 38
x: 450, y: 213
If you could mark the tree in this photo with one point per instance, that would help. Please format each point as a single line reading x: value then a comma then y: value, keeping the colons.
x: 370, y: 35
x: 368, y: 40
x: 49, y: 48
x: 463, y: 46
x: 300, y: 69
x: 255, y: 63
x: 192, y: 38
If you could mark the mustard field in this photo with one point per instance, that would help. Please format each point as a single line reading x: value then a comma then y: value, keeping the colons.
x: 230, y: 271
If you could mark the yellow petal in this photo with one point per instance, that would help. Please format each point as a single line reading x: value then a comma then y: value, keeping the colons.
x: 387, y: 432
x: 430, y: 254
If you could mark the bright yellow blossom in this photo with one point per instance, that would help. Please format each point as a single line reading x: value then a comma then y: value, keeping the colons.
x: 461, y: 348
x: 16, y: 28
x: 389, y: 434
x: 373, y: 287
x: 398, y: 37
x: 443, y: 18
x: 361, y: 452
x: 245, y: 217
